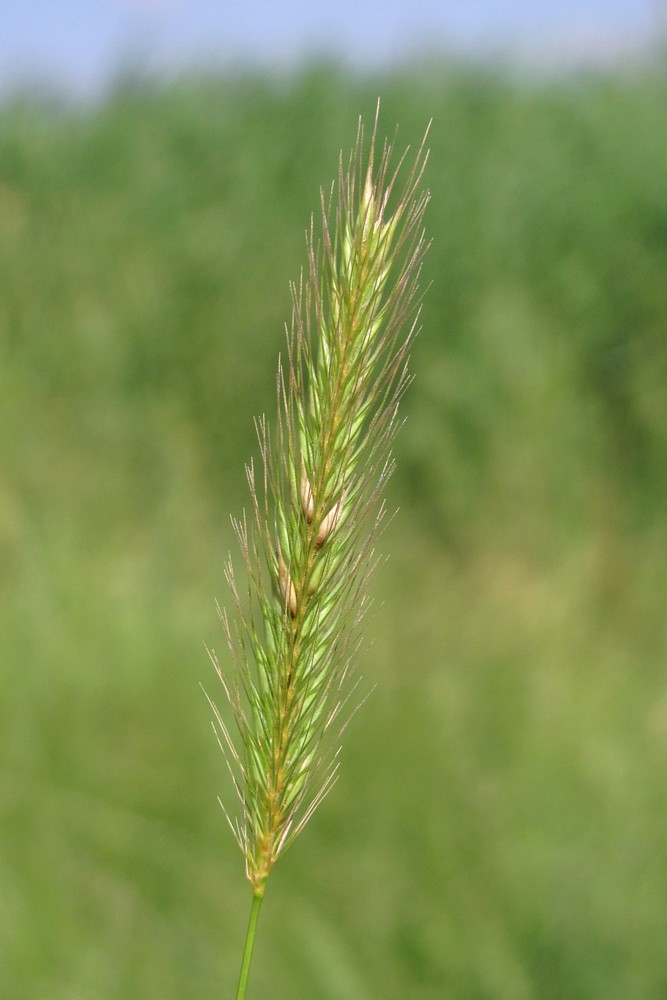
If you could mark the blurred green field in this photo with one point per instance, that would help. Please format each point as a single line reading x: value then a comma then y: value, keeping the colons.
x: 499, y: 831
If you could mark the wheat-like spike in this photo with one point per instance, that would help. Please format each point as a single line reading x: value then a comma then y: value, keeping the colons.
x: 307, y: 547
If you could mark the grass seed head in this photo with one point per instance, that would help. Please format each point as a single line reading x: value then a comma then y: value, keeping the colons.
x: 308, y: 548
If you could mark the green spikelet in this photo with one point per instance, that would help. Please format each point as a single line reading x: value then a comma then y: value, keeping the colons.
x: 316, y: 504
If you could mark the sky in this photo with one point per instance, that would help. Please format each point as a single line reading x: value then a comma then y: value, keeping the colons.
x: 79, y: 45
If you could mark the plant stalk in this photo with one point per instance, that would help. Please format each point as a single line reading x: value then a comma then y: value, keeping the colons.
x: 249, y: 942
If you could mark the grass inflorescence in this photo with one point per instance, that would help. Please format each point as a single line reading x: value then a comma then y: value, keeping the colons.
x: 308, y: 544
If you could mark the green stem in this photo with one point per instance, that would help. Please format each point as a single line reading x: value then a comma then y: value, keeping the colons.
x: 249, y: 942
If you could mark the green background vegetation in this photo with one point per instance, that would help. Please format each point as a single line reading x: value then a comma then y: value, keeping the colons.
x: 499, y: 830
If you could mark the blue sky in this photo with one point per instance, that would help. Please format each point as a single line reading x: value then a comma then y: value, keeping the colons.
x: 79, y: 44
